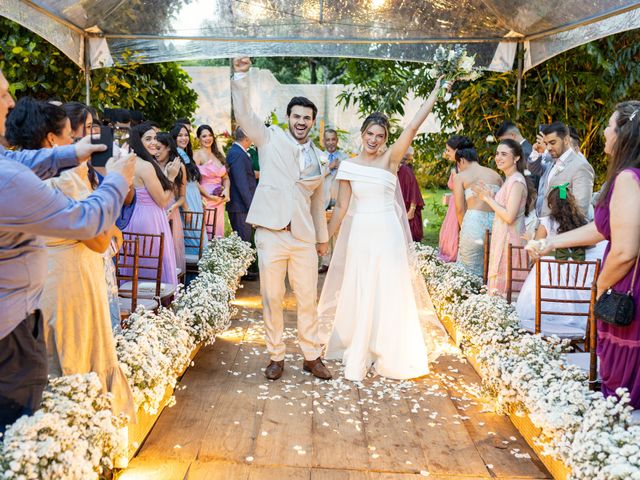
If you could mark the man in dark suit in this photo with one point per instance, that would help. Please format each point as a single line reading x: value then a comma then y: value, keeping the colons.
x: 243, y: 186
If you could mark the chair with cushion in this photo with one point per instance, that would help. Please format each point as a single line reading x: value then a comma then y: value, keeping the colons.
x: 194, y: 231
x: 150, y: 251
x: 127, y: 277
x: 564, y: 297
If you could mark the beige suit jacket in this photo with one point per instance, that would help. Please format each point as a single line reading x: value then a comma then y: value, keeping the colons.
x: 282, y: 197
x: 579, y: 174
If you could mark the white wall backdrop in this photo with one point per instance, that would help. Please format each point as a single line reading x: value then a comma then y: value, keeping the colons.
x: 267, y: 95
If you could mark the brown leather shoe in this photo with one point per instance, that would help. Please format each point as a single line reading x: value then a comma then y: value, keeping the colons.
x: 317, y: 369
x: 274, y: 370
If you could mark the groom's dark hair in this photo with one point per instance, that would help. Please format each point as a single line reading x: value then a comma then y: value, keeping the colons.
x: 302, y: 102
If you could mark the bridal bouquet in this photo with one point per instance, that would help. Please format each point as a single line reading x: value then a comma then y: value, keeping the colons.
x: 454, y: 64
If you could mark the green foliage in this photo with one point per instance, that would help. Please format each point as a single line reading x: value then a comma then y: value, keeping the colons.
x: 579, y: 87
x: 35, y: 67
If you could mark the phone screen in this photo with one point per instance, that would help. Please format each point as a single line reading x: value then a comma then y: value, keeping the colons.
x: 104, y: 137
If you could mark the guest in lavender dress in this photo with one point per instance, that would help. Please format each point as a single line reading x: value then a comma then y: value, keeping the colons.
x: 450, y: 229
x: 167, y: 151
x: 617, y: 219
x: 154, y: 192
x: 215, y: 179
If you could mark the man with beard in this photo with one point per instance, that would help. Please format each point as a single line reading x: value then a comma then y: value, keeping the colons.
x: 288, y: 213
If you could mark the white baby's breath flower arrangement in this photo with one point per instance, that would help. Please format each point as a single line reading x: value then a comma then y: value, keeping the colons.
x: 75, y: 436
x: 528, y: 374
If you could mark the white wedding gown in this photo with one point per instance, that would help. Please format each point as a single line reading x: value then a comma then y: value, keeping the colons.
x: 368, y: 296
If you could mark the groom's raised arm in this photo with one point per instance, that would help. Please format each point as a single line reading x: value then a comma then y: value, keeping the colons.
x: 246, y: 117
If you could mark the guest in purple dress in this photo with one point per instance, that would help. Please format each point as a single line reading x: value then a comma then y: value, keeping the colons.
x: 617, y: 221
x: 450, y: 229
x: 167, y: 151
x: 154, y: 191
x: 411, y: 195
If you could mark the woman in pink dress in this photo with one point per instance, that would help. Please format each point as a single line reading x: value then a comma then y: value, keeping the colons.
x: 215, y: 179
x: 449, y: 231
x: 511, y: 207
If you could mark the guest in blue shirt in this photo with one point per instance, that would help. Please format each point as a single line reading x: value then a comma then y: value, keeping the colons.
x: 28, y: 208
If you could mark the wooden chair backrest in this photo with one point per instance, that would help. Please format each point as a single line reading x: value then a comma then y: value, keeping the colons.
x: 127, y: 270
x: 194, y: 228
x: 487, y: 250
x: 211, y: 220
x: 518, y: 267
x: 150, y: 252
x: 566, y: 275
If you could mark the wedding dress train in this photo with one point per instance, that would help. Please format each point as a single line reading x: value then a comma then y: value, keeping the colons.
x: 369, y: 296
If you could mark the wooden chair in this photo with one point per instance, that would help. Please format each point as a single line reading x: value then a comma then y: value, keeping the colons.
x: 127, y: 277
x: 571, y: 275
x: 518, y: 267
x: 211, y: 220
x: 588, y: 360
x: 194, y: 229
x: 150, y: 253
x: 487, y: 250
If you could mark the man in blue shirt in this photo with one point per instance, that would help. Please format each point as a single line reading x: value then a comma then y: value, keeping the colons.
x: 28, y: 209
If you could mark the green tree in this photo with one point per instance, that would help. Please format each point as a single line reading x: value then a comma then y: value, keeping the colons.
x: 35, y: 67
x: 579, y: 87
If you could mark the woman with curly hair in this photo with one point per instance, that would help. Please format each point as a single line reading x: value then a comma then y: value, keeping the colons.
x: 564, y: 217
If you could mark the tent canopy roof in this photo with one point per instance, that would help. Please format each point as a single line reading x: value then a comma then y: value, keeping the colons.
x: 170, y: 30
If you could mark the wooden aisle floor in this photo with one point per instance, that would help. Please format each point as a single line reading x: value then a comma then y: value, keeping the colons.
x: 229, y: 422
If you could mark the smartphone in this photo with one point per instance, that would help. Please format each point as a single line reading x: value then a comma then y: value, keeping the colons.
x: 541, y: 127
x: 104, y: 137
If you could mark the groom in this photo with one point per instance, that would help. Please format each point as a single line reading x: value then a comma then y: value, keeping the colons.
x: 288, y: 213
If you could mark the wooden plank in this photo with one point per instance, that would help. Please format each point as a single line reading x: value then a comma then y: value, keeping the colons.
x: 331, y: 474
x: 286, y: 433
x: 495, y: 436
x: 179, y: 430
x: 392, y: 442
x: 217, y: 471
x: 278, y: 473
x: 339, y: 440
x: 231, y: 433
x: 154, y: 470
x: 444, y: 440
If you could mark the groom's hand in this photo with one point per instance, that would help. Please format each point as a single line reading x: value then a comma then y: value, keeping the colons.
x: 322, y: 248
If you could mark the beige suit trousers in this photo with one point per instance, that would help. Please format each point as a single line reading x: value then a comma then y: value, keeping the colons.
x: 279, y: 254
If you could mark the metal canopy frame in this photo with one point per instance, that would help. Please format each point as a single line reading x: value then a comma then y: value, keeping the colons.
x: 95, y: 33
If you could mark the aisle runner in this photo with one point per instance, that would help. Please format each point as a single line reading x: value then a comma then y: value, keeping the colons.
x: 229, y: 422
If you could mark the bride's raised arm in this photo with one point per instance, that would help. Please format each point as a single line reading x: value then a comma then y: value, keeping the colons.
x: 399, y: 148
x: 342, y: 205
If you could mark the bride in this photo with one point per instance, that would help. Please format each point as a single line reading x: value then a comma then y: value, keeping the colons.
x: 370, y: 302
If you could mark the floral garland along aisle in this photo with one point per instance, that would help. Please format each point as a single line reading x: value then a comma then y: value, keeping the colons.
x: 527, y: 374
x: 74, y: 435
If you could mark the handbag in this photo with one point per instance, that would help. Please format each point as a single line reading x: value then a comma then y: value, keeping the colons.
x: 617, y: 308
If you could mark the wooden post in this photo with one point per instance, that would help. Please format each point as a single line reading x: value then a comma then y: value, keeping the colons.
x: 87, y: 70
x: 520, y: 57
